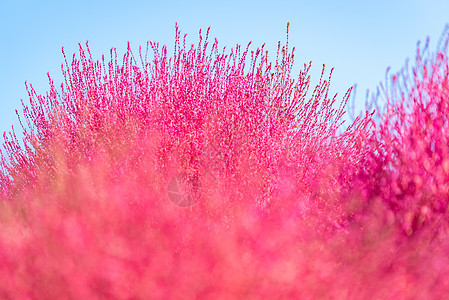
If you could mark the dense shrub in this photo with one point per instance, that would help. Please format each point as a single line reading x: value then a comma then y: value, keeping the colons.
x: 205, y: 175
x: 411, y: 160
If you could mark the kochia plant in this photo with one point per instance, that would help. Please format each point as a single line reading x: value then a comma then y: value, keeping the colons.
x: 412, y: 158
x: 208, y: 174
x: 257, y: 119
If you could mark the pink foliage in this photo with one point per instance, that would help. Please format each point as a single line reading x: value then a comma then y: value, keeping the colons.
x: 205, y: 176
x: 412, y: 159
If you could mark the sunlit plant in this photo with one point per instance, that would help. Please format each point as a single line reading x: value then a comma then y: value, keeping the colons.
x: 216, y: 174
x: 412, y: 133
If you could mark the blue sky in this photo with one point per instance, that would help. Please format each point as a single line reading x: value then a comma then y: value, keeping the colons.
x: 360, y: 39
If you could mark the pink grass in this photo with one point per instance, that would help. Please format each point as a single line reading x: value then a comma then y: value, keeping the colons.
x: 213, y: 174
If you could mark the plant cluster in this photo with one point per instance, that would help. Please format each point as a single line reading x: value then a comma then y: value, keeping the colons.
x: 216, y: 174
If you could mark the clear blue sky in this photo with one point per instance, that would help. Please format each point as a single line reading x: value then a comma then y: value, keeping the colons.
x: 359, y: 38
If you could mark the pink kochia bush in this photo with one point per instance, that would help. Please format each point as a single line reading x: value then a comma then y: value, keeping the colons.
x: 412, y: 158
x: 204, y: 175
